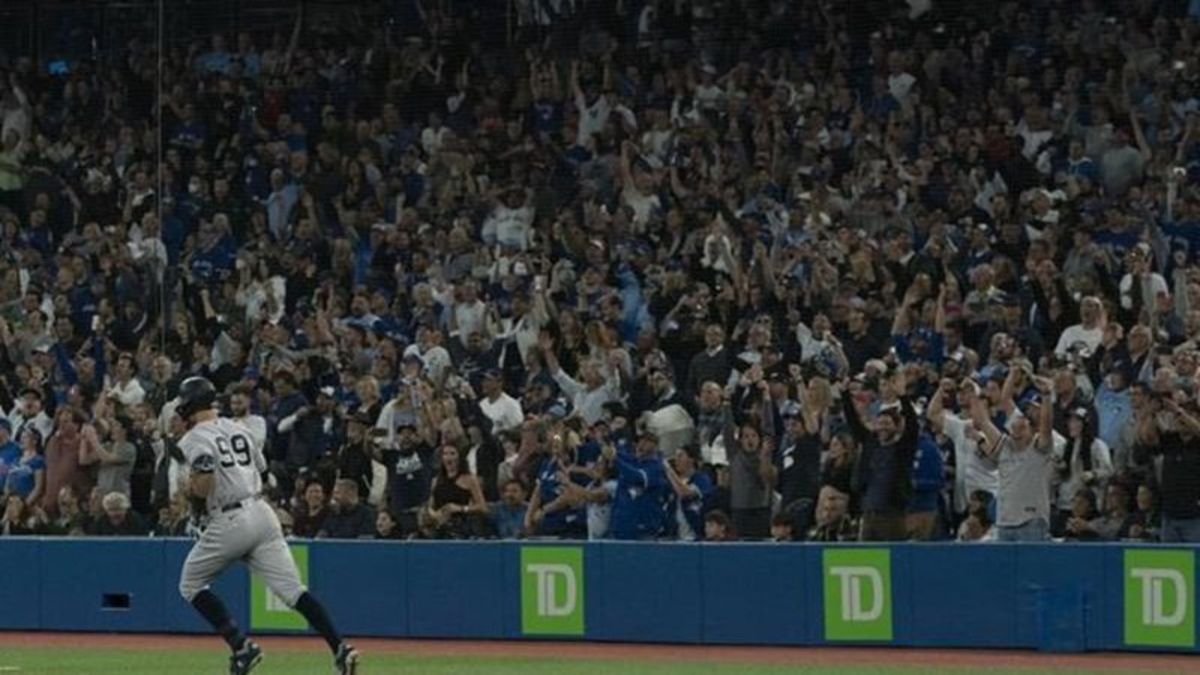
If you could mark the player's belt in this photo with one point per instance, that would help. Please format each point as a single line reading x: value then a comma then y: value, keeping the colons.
x: 234, y: 506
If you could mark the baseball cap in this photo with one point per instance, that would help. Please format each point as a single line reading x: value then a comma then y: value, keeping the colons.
x: 877, y: 364
x: 647, y: 432
x: 1029, y: 401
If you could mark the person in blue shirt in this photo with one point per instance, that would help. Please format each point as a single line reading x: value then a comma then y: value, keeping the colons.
x: 557, y: 505
x: 212, y: 261
x: 27, y: 475
x: 693, y: 494
x: 10, y: 452
x: 643, y: 494
x: 508, y: 514
x: 1114, y: 408
x: 189, y: 132
x: 928, y: 479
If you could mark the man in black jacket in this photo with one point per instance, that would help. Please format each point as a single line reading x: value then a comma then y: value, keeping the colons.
x: 1176, y: 439
x: 350, y: 518
x: 119, y: 520
x: 882, y: 477
x: 714, y: 364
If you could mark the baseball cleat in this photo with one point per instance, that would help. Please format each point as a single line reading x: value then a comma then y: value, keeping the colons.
x: 244, y: 660
x: 345, y: 662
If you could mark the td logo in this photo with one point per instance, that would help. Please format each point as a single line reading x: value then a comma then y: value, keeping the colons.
x: 552, y: 590
x: 858, y: 593
x: 269, y: 612
x: 1159, y: 594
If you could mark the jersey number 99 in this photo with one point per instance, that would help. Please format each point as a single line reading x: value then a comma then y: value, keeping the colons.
x: 234, y: 452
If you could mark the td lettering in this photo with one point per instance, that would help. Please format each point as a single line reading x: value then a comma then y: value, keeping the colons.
x: 851, y: 581
x: 1154, y: 589
x: 275, y: 604
x: 857, y: 594
x: 548, y: 602
x: 553, y: 590
x: 1160, y: 590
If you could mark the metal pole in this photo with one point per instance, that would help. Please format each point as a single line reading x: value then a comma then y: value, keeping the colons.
x: 161, y: 273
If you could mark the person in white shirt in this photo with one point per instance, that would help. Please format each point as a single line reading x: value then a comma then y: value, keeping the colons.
x: 123, y: 388
x: 30, y: 411
x: 1140, y: 287
x: 594, y: 107
x: 589, y: 396
x: 429, y: 351
x: 819, y: 340
x: 973, y: 472
x: 708, y: 92
x: 503, y: 410
x: 900, y: 82
x: 145, y: 243
x: 1083, y: 462
x: 16, y: 113
x: 470, y: 314
x: 434, y: 135
x: 529, y: 314
x: 239, y: 408
x: 1089, y: 330
x: 511, y: 219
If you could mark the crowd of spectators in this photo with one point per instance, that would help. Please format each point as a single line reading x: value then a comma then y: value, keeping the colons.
x: 640, y: 269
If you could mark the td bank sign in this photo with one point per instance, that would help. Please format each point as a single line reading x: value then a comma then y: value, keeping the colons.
x: 552, y: 590
x: 858, y: 593
x: 1160, y: 597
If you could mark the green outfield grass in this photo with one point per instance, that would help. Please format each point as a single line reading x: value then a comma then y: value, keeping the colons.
x: 43, y: 661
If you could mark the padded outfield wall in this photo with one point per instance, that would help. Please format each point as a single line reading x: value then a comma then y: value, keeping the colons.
x: 1056, y: 596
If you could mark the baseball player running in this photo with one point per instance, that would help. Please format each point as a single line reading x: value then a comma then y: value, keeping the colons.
x: 226, y: 468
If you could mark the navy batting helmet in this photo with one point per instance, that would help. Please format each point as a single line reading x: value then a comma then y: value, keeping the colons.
x: 195, y: 394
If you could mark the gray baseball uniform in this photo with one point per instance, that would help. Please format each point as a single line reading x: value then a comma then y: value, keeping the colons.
x: 242, y: 526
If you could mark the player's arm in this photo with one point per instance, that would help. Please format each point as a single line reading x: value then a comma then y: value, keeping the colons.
x: 201, y: 479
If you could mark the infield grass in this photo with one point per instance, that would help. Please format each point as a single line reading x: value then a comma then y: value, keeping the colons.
x: 90, y: 661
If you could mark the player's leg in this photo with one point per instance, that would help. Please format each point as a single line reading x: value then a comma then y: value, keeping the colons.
x: 205, y: 562
x: 272, y: 560
x: 209, y: 557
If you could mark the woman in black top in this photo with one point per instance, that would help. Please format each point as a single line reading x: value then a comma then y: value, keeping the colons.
x: 456, y: 503
x: 386, y: 526
x: 17, y: 518
x: 837, y: 469
x: 1143, y: 523
x: 310, y: 515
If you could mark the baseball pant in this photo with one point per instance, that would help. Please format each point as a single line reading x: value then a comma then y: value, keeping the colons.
x: 252, y: 534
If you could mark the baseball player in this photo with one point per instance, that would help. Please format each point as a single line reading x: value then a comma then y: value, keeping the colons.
x: 226, y: 466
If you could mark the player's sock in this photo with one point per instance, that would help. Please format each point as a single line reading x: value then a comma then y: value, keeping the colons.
x: 213, y: 610
x: 318, y: 618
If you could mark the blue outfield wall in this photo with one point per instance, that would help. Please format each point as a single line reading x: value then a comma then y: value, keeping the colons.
x: 1057, y: 596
